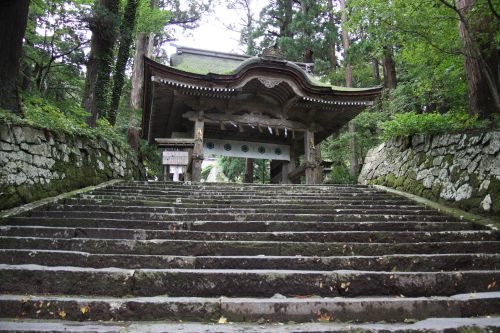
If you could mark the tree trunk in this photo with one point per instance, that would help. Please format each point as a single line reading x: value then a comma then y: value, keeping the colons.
x: 91, y: 75
x: 126, y: 29
x: 346, y: 44
x: 287, y: 7
x: 353, y: 147
x: 333, y: 47
x: 375, y: 70
x: 13, y: 20
x: 481, y: 60
x: 143, y: 47
x: 389, y: 65
x: 249, y: 168
x: 104, y: 29
x: 141, y: 50
x: 308, y: 53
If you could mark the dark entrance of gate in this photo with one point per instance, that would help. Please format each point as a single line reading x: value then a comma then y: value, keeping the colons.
x: 253, y: 107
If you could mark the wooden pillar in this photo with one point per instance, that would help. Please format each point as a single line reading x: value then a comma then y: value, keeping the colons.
x: 310, y: 157
x: 289, y: 166
x: 319, y: 169
x: 197, y: 155
x: 249, y: 170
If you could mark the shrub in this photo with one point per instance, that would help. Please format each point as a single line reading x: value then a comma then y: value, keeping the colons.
x: 340, y: 175
x: 405, y: 124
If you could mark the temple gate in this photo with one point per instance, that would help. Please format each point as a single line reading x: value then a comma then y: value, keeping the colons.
x: 252, y: 107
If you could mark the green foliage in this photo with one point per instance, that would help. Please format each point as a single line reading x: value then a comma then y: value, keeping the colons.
x: 340, y: 175
x: 53, y: 53
x: 232, y: 167
x: 206, y: 171
x: 150, y: 156
x: 43, y: 113
x: 151, y: 19
x: 410, y: 123
x: 336, y: 148
x: 261, y: 171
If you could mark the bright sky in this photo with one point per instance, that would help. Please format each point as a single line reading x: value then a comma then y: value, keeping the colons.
x: 213, y: 35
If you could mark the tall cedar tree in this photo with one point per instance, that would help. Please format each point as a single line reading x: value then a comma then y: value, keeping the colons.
x: 354, y: 164
x: 126, y: 33
x: 481, y: 58
x: 13, y: 20
x: 104, y: 26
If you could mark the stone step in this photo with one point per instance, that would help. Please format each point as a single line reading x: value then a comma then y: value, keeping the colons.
x: 401, y: 263
x: 299, y: 310
x: 249, y: 201
x: 245, y: 226
x: 244, y: 189
x: 433, y: 325
x: 116, y: 282
x: 179, y: 209
x: 238, y: 248
x: 241, y: 204
x: 170, y: 184
x: 280, y: 236
x: 234, y: 192
x: 332, y: 217
x: 241, y: 196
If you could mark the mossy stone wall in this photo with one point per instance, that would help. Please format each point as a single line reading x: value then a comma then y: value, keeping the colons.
x: 460, y: 170
x: 36, y: 163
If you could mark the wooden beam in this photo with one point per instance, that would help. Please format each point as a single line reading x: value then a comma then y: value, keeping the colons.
x: 169, y: 142
x: 252, y: 119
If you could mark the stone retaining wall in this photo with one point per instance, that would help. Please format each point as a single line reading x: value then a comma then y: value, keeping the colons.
x: 36, y: 163
x: 460, y: 170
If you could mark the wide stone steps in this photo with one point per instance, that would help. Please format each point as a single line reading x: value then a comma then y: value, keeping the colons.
x: 221, y: 196
x: 170, y: 252
x: 220, y: 216
x: 278, y: 236
x: 197, y: 202
x: 179, y: 209
x: 319, y: 204
x: 221, y: 248
x: 398, y: 262
x: 36, y: 279
x: 244, y: 226
x: 282, y: 309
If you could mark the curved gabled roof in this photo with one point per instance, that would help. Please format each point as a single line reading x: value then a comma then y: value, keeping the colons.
x: 276, y: 86
x: 261, y: 67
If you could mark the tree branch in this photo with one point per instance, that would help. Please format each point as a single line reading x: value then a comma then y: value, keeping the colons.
x: 493, y: 9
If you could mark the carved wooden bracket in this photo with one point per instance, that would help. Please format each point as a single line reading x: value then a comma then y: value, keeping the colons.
x: 269, y: 83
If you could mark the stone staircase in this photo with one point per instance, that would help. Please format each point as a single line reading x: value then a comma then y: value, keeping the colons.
x: 162, y: 257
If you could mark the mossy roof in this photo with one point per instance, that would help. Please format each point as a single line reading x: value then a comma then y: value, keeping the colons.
x: 206, y: 65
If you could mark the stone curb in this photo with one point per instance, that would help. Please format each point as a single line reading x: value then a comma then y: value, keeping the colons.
x: 455, y: 212
x: 438, y: 325
x: 46, y: 201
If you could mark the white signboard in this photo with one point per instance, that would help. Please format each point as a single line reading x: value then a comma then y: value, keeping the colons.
x: 175, y: 157
x: 257, y: 150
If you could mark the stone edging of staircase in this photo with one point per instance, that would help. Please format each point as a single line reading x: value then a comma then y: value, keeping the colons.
x: 46, y: 201
x: 455, y: 212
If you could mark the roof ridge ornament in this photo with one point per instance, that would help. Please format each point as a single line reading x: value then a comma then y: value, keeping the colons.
x: 269, y: 83
x: 273, y: 53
